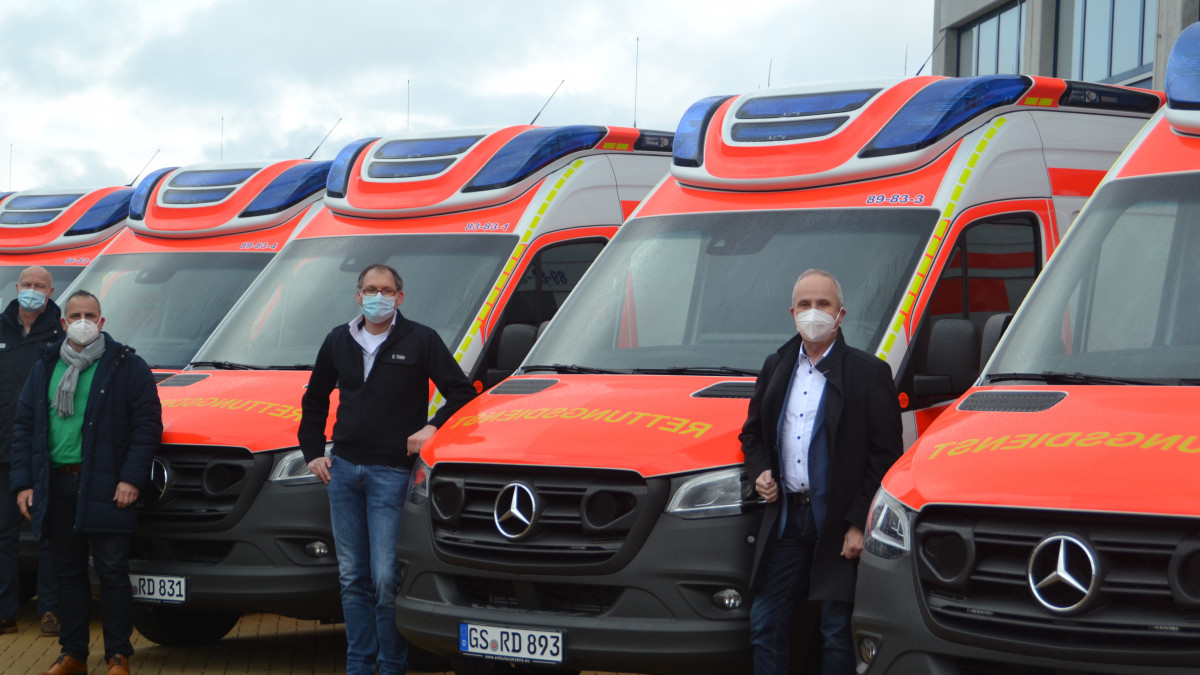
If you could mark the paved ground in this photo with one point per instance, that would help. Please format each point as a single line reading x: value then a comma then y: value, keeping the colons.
x: 259, y: 644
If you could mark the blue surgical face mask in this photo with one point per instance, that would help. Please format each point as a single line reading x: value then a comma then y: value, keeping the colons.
x: 378, y: 308
x: 31, y: 300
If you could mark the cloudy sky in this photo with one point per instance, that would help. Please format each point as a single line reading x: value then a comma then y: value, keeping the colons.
x: 91, y: 89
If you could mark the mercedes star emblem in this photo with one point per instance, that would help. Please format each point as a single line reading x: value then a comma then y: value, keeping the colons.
x: 1063, y: 573
x: 515, y: 511
x: 160, y: 478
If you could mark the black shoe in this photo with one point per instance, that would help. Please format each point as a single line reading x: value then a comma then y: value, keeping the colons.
x: 8, y: 626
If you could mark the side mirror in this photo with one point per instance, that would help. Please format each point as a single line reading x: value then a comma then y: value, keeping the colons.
x: 952, y: 363
x: 992, y: 330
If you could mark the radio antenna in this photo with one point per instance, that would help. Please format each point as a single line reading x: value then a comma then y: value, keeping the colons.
x: 637, y: 52
x: 139, y: 174
x: 935, y: 47
x: 769, y: 64
x: 539, y: 112
x: 408, y: 106
x: 326, y: 137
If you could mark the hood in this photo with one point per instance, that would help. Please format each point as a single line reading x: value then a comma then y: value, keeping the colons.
x: 1093, y: 448
x: 255, y: 409
x: 651, y: 424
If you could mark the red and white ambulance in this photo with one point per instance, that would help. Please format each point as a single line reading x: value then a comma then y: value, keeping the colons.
x: 490, y: 230
x: 196, y: 237
x: 592, y: 512
x: 1048, y: 521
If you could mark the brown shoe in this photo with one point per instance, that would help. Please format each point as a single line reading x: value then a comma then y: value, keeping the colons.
x: 8, y: 626
x: 50, y: 627
x: 67, y: 665
x: 118, y: 665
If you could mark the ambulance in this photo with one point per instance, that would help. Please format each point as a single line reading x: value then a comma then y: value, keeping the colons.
x: 196, y: 237
x: 591, y: 512
x: 61, y: 229
x: 1048, y: 521
x: 489, y: 228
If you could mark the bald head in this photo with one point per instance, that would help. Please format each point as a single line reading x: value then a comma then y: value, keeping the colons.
x: 34, y: 288
x: 37, y: 278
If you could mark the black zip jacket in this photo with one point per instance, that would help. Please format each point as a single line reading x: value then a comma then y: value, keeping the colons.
x: 376, y: 417
x: 18, y: 353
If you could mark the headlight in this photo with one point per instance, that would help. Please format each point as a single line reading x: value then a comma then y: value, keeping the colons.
x: 888, y: 533
x: 418, y: 489
x: 292, y: 469
x: 716, y: 493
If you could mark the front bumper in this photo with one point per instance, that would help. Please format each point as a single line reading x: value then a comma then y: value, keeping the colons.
x: 657, y: 615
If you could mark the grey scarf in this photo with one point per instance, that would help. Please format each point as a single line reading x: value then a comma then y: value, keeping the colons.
x: 77, y: 362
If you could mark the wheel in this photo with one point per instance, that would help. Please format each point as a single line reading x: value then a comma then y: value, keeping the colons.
x: 469, y: 666
x: 175, y: 627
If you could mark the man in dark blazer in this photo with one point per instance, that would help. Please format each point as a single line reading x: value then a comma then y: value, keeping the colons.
x: 823, y: 427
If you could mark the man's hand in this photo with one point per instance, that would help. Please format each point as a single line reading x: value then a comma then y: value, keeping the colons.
x: 418, y: 439
x: 766, y: 486
x: 320, y: 468
x: 853, y: 543
x: 25, y: 502
x: 126, y: 494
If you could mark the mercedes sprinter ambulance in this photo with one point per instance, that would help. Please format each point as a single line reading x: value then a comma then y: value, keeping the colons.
x: 591, y: 512
x: 490, y: 230
x: 1048, y: 522
x: 196, y: 237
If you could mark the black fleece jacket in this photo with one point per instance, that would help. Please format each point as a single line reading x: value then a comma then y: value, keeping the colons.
x: 18, y: 353
x: 375, y: 417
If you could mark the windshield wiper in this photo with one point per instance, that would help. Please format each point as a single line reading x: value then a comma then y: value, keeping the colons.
x: 571, y: 369
x: 1050, y: 377
x: 698, y: 370
x: 295, y: 366
x: 223, y: 365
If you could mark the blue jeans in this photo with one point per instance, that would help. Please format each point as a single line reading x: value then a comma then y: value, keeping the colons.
x: 10, y: 571
x: 110, y: 556
x: 366, y: 503
x: 786, y: 571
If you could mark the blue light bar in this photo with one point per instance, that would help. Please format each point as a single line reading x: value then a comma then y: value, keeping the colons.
x: 209, y: 196
x: 940, y: 108
x: 32, y: 202
x: 1183, y: 70
x: 689, y: 135
x: 141, y: 194
x: 428, y: 167
x: 800, y: 105
x: 417, y: 148
x: 1105, y: 97
x: 27, y: 217
x: 763, y: 132
x: 531, y: 151
x: 212, y: 177
x: 110, y: 210
x: 5, y: 194
x: 339, y: 174
x: 288, y: 189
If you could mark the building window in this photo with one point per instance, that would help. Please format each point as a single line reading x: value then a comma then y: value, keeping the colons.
x: 993, y: 43
x: 1105, y: 40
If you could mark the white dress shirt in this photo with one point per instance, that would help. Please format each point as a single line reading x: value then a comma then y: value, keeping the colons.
x: 369, y: 342
x: 799, y: 420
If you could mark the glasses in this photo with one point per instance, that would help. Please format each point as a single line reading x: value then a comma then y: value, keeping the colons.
x: 385, y: 292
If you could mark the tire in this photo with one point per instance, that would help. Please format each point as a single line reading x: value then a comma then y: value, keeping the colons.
x: 175, y: 627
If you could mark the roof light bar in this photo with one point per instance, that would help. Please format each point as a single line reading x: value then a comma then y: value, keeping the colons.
x: 417, y: 148
x: 531, y: 151
x: 339, y: 173
x: 34, y: 202
x: 428, y: 167
x: 109, y: 211
x: 940, y: 108
x: 212, y: 177
x: 141, y: 194
x: 1183, y: 70
x: 800, y: 105
x: 289, y: 188
x: 27, y: 217
x: 764, y: 132
x: 689, y: 135
x: 190, y: 197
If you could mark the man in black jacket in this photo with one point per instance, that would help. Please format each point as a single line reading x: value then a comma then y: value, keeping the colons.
x: 28, y: 325
x: 381, y: 363
x: 823, y: 427
x: 88, y: 425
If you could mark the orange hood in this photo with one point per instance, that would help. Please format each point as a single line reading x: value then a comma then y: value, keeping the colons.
x: 1099, y: 448
x: 651, y: 424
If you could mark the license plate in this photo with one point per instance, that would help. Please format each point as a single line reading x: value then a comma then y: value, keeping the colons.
x: 511, y: 644
x: 148, y: 588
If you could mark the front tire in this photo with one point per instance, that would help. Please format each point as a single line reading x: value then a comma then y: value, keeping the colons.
x: 177, y: 627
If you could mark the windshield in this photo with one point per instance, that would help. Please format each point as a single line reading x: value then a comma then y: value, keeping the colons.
x: 309, y: 289
x: 61, y: 275
x: 164, y: 305
x: 713, y: 290
x: 1119, y: 298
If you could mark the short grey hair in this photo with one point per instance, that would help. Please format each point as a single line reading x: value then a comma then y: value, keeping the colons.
x: 815, y: 272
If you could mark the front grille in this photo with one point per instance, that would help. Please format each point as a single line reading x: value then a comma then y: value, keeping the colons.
x: 973, y: 565
x: 585, y: 599
x: 204, y: 485
x: 583, y: 517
